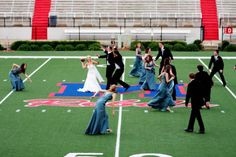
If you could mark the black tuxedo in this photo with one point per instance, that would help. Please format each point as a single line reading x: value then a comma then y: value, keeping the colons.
x: 206, y: 84
x: 165, y: 53
x: 116, y: 78
x: 218, y: 65
x: 194, y: 92
x: 175, y: 81
x: 110, y: 67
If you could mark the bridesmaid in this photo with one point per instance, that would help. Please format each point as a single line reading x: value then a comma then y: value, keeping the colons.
x: 14, y: 75
x: 149, y: 83
x: 173, y: 83
x: 136, y: 70
x: 99, y: 120
x: 142, y: 70
x: 163, y: 99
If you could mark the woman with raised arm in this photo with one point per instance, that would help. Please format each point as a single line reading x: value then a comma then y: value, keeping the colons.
x: 93, y: 76
x: 143, y: 71
x: 14, y: 75
x: 163, y: 99
x: 99, y: 120
x: 150, y: 82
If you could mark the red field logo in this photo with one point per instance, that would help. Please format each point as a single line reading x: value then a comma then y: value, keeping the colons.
x: 88, y: 103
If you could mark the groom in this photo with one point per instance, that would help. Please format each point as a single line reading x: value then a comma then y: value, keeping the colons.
x: 164, y: 53
x: 110, y: 64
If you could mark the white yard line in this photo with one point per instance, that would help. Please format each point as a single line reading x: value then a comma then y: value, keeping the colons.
x: 117, y: 151
x: 83, y: 154
x: 10, y: 93
x: 125, y: 57
x: 229, y: 90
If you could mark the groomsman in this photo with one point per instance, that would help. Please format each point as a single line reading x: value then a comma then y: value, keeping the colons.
x: 206, y: 84
x: 119, y: 70
x: 218, y: 66
x: 110, y: 64
x: 164, y: 53
x: 194, y: 93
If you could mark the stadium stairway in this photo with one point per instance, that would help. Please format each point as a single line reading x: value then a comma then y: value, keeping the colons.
x: 40, y: 19
x: 210, y: 19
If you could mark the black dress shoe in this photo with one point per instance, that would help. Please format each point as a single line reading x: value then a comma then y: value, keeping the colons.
x: 140, y: 83
x: 188, y: 130
x: 126, y: 88
x: 207, y: 107
x: 201, y: 132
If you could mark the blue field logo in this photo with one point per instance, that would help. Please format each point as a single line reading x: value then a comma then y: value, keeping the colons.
x: 70, y: 90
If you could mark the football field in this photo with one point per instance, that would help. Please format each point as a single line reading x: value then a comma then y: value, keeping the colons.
x: 49, y: 118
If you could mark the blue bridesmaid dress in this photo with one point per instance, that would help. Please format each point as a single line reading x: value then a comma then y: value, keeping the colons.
x: 136, y: 70
x: 99, y: 120
x: 16, y: 81
x: 170, y: 86
x: 163, y: 98
x: 142, y: 77
x: 149, y: 83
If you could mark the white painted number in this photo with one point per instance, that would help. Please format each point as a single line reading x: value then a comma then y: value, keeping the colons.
x: 150, y: 155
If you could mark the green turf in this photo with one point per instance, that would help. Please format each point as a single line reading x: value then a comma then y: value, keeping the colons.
x: 54, y: 133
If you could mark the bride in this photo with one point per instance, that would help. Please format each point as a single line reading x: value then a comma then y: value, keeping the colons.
x: 93, y: 76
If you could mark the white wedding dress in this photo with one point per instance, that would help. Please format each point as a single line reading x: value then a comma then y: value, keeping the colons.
x: 91, y: 83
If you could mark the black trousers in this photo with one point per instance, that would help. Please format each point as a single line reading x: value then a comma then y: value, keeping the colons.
x: 207, y: 93
x: 161, y: 66
x: 116, y: 78
x: 174, y: 93
x: 214, y: 71
x: 196, y: 114
x: 109, y: 73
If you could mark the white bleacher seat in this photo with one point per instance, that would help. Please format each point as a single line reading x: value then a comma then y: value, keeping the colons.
x: 16, y: 12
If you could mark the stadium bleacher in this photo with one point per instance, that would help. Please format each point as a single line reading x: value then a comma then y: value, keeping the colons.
x: 137, y: 13
x: 124, y: 14
x: 227, y: 12
x: 16, y: 12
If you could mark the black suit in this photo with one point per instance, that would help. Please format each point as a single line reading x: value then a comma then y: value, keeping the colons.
x: 175, y: 81
x: 163, y: 54
x: 194, y: 92
x: 218, y: 65
x: 118, y: 72
x: 206, y: 84
x: 110, y: 67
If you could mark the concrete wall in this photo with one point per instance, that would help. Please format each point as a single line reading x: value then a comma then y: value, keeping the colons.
x: 109, y: 33
x: 58, y: 33
x: 15, y: 33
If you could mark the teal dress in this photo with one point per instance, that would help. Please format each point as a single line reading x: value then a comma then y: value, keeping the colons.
x: 99, y: 120
x: 16, y: 81
x: 142, y: 76
x: 163, y: 98
x: 149, y: 83
x: 136, y: 70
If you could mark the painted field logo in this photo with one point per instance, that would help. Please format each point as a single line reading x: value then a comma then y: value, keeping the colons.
x: 70, y: 90
x: 88, y: 103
